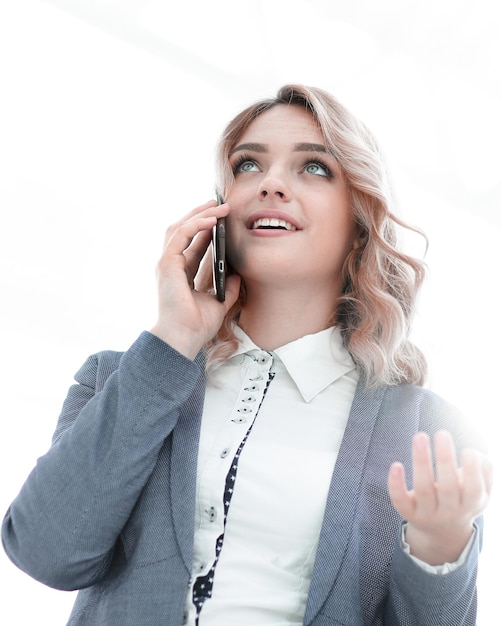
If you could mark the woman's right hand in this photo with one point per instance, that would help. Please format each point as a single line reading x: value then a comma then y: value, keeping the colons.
x: 188, y: 319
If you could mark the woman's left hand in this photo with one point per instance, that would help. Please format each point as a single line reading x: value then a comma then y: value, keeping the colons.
x: 440, y: 510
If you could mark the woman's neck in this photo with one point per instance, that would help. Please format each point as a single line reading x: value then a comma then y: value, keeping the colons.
x: 273, y: 318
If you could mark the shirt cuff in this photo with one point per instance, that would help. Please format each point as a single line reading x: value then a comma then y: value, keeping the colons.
x: 445, y: 568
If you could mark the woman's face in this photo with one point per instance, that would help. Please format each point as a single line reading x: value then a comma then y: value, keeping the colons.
x: 290, y: 218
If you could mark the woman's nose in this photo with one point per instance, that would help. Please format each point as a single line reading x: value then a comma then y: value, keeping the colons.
x: 274, y: 187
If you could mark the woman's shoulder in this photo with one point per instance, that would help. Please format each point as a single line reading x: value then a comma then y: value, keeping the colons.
x: 431, y: 412
x: 425, y: 398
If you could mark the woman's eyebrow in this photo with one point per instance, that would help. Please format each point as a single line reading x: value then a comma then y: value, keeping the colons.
x: 261, y: 147
x: 310, y: 147
x: 252, y: 147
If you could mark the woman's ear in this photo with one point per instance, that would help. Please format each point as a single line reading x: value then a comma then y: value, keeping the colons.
x: 360, y: 238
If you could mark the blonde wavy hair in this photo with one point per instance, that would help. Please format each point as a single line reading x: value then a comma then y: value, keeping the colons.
x: 381, y: 283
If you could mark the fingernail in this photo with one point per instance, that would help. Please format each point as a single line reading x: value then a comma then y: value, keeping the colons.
x: 396, y: 470
x: 421, y: 440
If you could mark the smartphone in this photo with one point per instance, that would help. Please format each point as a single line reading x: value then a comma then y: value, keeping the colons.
x: 219, y: 255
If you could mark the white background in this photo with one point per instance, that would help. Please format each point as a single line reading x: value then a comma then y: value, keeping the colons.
x: 109, y: 112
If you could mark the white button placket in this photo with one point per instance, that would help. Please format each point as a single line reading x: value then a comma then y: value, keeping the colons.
x: 253, y: 389
x: 245, y: 410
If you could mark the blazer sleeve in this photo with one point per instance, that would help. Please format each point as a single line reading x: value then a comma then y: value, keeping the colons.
x: 63, y: 526
x: 418, y: 597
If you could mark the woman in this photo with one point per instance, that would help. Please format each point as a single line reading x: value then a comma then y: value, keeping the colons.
x: 243, y: 462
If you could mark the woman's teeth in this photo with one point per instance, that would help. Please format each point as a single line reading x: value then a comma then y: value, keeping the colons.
x: 272, y: 222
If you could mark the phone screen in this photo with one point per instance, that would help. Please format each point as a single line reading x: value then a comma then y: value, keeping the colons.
x: 219, y: 256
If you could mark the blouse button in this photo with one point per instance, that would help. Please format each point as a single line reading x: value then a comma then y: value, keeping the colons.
x: 249, y: 399
x: 244, y: 409
x: 211, y: 514
x: 241, y: 419
x: 224, y: 453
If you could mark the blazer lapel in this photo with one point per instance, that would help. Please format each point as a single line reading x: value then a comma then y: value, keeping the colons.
x: 343, y: 494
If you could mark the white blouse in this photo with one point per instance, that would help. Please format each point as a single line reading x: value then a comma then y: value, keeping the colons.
x: 289, y: 409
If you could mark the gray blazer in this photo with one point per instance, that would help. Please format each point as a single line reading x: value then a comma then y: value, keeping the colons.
x: 109, y: 510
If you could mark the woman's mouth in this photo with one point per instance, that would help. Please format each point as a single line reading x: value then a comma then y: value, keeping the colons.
x: 269, y: 223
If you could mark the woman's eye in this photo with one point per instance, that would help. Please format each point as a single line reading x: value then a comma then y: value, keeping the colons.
x: 246, y: 166
x: 317, y: 168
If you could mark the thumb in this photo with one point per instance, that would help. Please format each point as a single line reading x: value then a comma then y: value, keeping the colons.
x: 232, y: 291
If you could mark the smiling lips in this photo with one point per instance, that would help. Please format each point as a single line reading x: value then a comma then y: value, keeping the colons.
x: 272, y: 223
